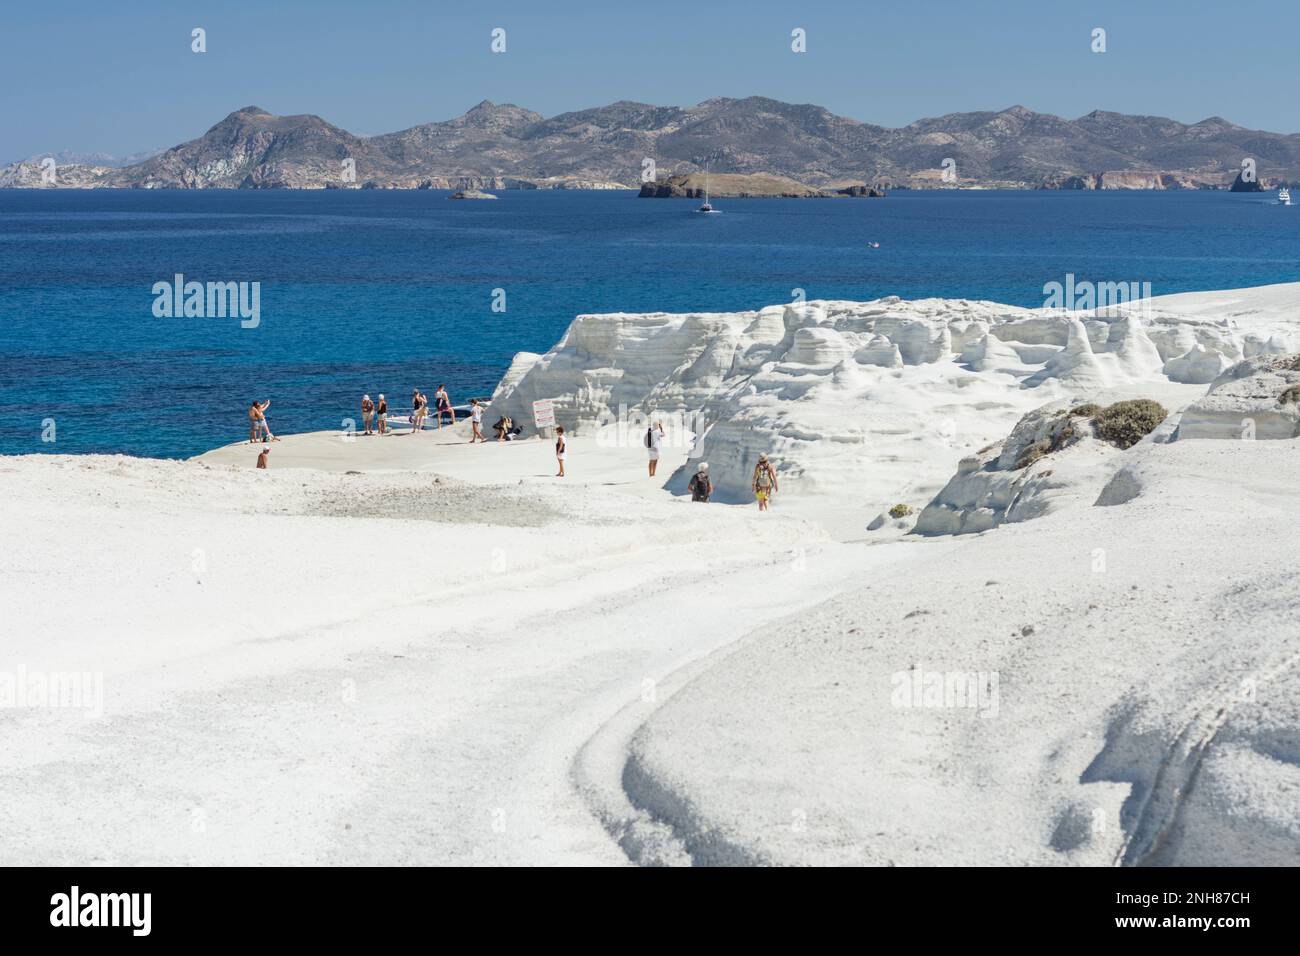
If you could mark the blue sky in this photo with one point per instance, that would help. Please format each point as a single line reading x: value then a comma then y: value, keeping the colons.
x: 120, y: 77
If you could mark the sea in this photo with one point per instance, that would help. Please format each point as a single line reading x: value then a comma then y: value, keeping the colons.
x: 370, y: 291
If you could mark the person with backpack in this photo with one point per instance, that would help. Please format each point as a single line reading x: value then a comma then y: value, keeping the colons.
x: 764, y: 482
x: 653, y: 436
x: 700, y: 487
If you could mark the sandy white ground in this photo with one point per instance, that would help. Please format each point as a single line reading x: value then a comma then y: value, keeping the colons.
x: 410, y: 649
x: 1148, y: 694
x: 302, y: 667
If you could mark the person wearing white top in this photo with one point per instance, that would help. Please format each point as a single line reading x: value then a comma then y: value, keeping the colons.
x: 653, y: 436
x: 476, y: 421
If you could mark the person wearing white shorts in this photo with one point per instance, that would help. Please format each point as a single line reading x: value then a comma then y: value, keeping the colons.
x: 654, y: 435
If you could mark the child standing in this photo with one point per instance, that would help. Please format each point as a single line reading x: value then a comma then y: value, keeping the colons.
x: 560, y: 449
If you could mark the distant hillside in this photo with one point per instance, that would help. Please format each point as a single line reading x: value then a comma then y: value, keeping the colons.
x: 504, y: 146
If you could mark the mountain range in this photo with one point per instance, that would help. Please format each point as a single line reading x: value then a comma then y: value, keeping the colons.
x: 623, y: 144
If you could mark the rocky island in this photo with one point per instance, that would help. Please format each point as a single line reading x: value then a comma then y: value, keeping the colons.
x: 746, y: 186
x: 769, y: 147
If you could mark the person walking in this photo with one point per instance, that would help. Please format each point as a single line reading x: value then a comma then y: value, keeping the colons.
x: 764, y: 482
x: 476, y: 421
x: 561, y: 449
x: 367, y: 414
x: 700, y: 486
x: 654, y: 435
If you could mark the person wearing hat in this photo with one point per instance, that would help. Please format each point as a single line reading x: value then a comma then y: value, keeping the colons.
x: 367, y: 413
x: 264, y: 456
x: 700, y: 487
x: 764, y: 482
x: 382, y: 412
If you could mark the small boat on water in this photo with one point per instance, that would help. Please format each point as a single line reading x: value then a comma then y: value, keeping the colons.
x: 708, y: 206
x: 1284, y: 197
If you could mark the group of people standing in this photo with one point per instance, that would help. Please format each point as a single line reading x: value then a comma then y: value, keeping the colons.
x: 374, y: 417
x: 419, y: 410
x: 763, y: 482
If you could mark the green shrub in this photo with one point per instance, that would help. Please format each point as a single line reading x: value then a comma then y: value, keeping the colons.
x: 1086, y: 410
x: 1124, y: 424
x: 900, y: 510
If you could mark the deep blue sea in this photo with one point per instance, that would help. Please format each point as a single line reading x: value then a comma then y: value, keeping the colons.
x: 376, y: 291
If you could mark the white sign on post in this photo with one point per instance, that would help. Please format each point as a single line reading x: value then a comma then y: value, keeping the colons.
x: 544, y: 413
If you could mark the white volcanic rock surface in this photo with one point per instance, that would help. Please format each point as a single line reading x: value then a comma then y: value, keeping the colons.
x: 1146, y: 710
x: 863, y: 405
x: 1257, y: 398
x: 412, y: 650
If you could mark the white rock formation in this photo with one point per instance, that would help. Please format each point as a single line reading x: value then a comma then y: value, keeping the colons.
x: 1197, y: 365
x: 1257, y: 398
x: 1050, y: 459
x: 867, y: 404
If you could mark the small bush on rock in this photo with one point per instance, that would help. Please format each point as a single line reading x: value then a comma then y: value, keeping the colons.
x: 1124, y: 424
x: 1034, y: 452
x: 1086, y: 410
x: 900, y: 511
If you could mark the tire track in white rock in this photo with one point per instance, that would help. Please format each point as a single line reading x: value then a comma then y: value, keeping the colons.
x: 653, y: 820
x: 557, y: 754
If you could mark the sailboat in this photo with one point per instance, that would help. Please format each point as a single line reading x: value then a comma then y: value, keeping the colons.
x: 1284, y: 197
x: 707, y: 207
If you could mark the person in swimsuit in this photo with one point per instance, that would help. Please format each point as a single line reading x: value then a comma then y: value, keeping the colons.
x: 382, y: 412
x: 561, y: 449
x: 258, y: 414
x: 264, y: 456
x: 367, y: 413
x: 419, y: 408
